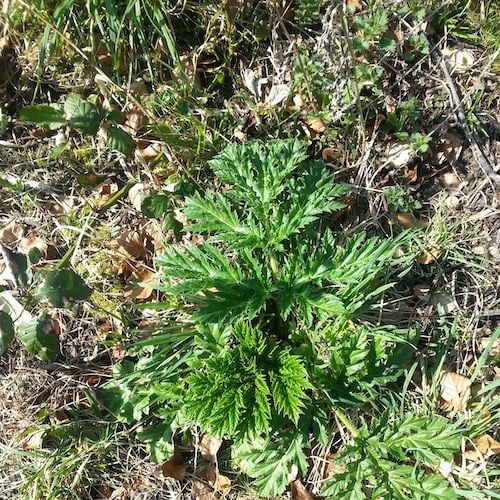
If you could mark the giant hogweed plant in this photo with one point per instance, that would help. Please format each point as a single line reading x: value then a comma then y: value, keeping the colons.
x: 272, y: 331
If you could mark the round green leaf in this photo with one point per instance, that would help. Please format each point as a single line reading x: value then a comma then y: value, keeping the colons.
x: 39, y: 338
x: 62, y: 286
x: 6, y: 331
x: 120, y: 141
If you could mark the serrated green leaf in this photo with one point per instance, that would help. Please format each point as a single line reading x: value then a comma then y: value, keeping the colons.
x: 6, y: 331
x: 81, y: 115
x: 159, y: 442
x: 39, y: 338
x: 62, y: 286
x: 155, y: 206
x: 119, y: 140
x: 44, y: 116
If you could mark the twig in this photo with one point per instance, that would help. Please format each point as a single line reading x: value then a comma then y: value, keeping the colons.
x: 457, y: 103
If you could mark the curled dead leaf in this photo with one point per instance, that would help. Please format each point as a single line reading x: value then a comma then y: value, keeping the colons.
x: 455, y: 391
x: 175, y: 467
x: 429, y: 256
x: 299, y: 491
x: 482, y: 448
x: 131, y: 244
x: 209, y: 446
x: 32, y: 241
x: 134, y: 121
x: 406, y: 220
x: 134, y: 290
x: 450, y: 180
x: 449, y: 149
x: 138, y: 193
x: 149, y: 151
x: 398, y: 153
x: 11, y: 233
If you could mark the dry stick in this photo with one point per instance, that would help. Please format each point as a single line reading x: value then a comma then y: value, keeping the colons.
x: 457, y: 103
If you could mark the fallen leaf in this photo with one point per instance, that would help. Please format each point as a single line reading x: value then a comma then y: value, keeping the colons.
x: 482, y: 448
x: 204, y: 484
x: 131, y: 244
x: 429, y: 255
x: 299, y: 491
x: 316, y: 125
x: 11, y: 233
x: 277, y: 94
x: 175, y: 467
x: 209, y: 446
x: 134, y: 121
x: 398, y: 153
x: 459, y: 60
x: 134, y: 290
x: 450, y: 180
x: 406, y: 220
x: 138, y: 193
x: 354, y: 4
x: 31, y: 242
x: 455, y: 391
x: 105, y: 192
x: 449, y: 150
x: 150, y: 151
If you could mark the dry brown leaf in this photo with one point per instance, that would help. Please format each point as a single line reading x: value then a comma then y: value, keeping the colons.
x: 316, y: 125
x: 205, y: 484
x: 450, y: 180
x: 175, y: 467
x: 134, y: 290
x: 429, y: 255
x: 33, y: 241
x: 134, y: 121
x: 131, y: 244
x: 455, y: 391
x: 299, y: 491
x: 398, y: 153
x: 105, y: 192
x: 354, y: 4
x: 209, y: 446
x: 138, y: 193
x: 11, y: 233
x: 482, y: 448
x: 449, y: 150
x: 406, y: 220
x: 149, y: 151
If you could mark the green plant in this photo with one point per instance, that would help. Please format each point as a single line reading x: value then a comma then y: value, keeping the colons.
x: 85, y: 116
x: 400, y: 199
x: 388, y: 459
x: 273, y: 301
